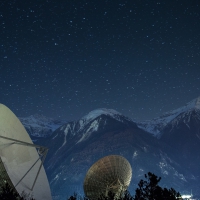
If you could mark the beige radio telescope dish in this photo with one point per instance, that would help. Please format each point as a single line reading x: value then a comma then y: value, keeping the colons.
x: 109, y: 174
x: 21, y: 166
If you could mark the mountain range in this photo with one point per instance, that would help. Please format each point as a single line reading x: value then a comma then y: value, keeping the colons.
x: 168, y: 146
x: 39, y: 126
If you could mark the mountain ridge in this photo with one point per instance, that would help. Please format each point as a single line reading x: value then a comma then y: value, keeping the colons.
x: 156, y: 125
x: 76, y: 145
x: 40, y: 126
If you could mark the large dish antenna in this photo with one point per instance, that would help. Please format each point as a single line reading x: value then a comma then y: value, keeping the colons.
x: 109, y: 174
x: 21, y: 165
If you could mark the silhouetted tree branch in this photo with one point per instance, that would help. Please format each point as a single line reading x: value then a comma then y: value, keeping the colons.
x: 148, y: 189
x: 8, y: 193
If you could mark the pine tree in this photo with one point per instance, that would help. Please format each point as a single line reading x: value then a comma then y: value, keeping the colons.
x: 150, y: 190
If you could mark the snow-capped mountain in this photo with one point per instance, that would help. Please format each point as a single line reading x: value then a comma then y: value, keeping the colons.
x: 91, y: 123
x: 39, y: 126
x: 180, y: 129
x: 183, y: 134
x: 155, y: 126
x: 75, y: 146
x: 103, y: 111
x: 95, y: 122
x: 172, y: 154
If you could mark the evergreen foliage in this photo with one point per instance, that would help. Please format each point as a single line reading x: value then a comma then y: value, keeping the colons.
x: 147, y: 190
x: 150, y: 190
x: 8, y: 193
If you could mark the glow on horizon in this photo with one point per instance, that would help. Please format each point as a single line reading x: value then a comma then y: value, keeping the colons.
x: 186, y: 196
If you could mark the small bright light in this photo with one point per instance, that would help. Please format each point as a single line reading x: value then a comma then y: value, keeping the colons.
x: 186, y: 196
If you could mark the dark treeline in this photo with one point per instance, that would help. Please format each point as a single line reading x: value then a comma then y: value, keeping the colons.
x: 148, y: 189
x: 8, y: 193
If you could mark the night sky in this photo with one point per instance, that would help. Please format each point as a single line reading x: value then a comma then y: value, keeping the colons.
x: 65, y: 58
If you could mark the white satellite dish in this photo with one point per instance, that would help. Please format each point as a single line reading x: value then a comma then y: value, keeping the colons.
x: 20, y: 163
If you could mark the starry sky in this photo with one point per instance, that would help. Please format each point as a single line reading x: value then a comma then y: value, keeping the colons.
x: 65, y: 58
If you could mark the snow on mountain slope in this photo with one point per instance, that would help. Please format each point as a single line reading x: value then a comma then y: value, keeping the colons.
x: 101, y: 111
x: 71, y: 157
x: 94, y: 123
x: 90, y: 123
x: 155, y: 125
x: 40, y: 126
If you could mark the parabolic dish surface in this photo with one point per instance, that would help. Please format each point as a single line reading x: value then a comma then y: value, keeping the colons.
x: 109, y: 174
x: 18, y: 159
